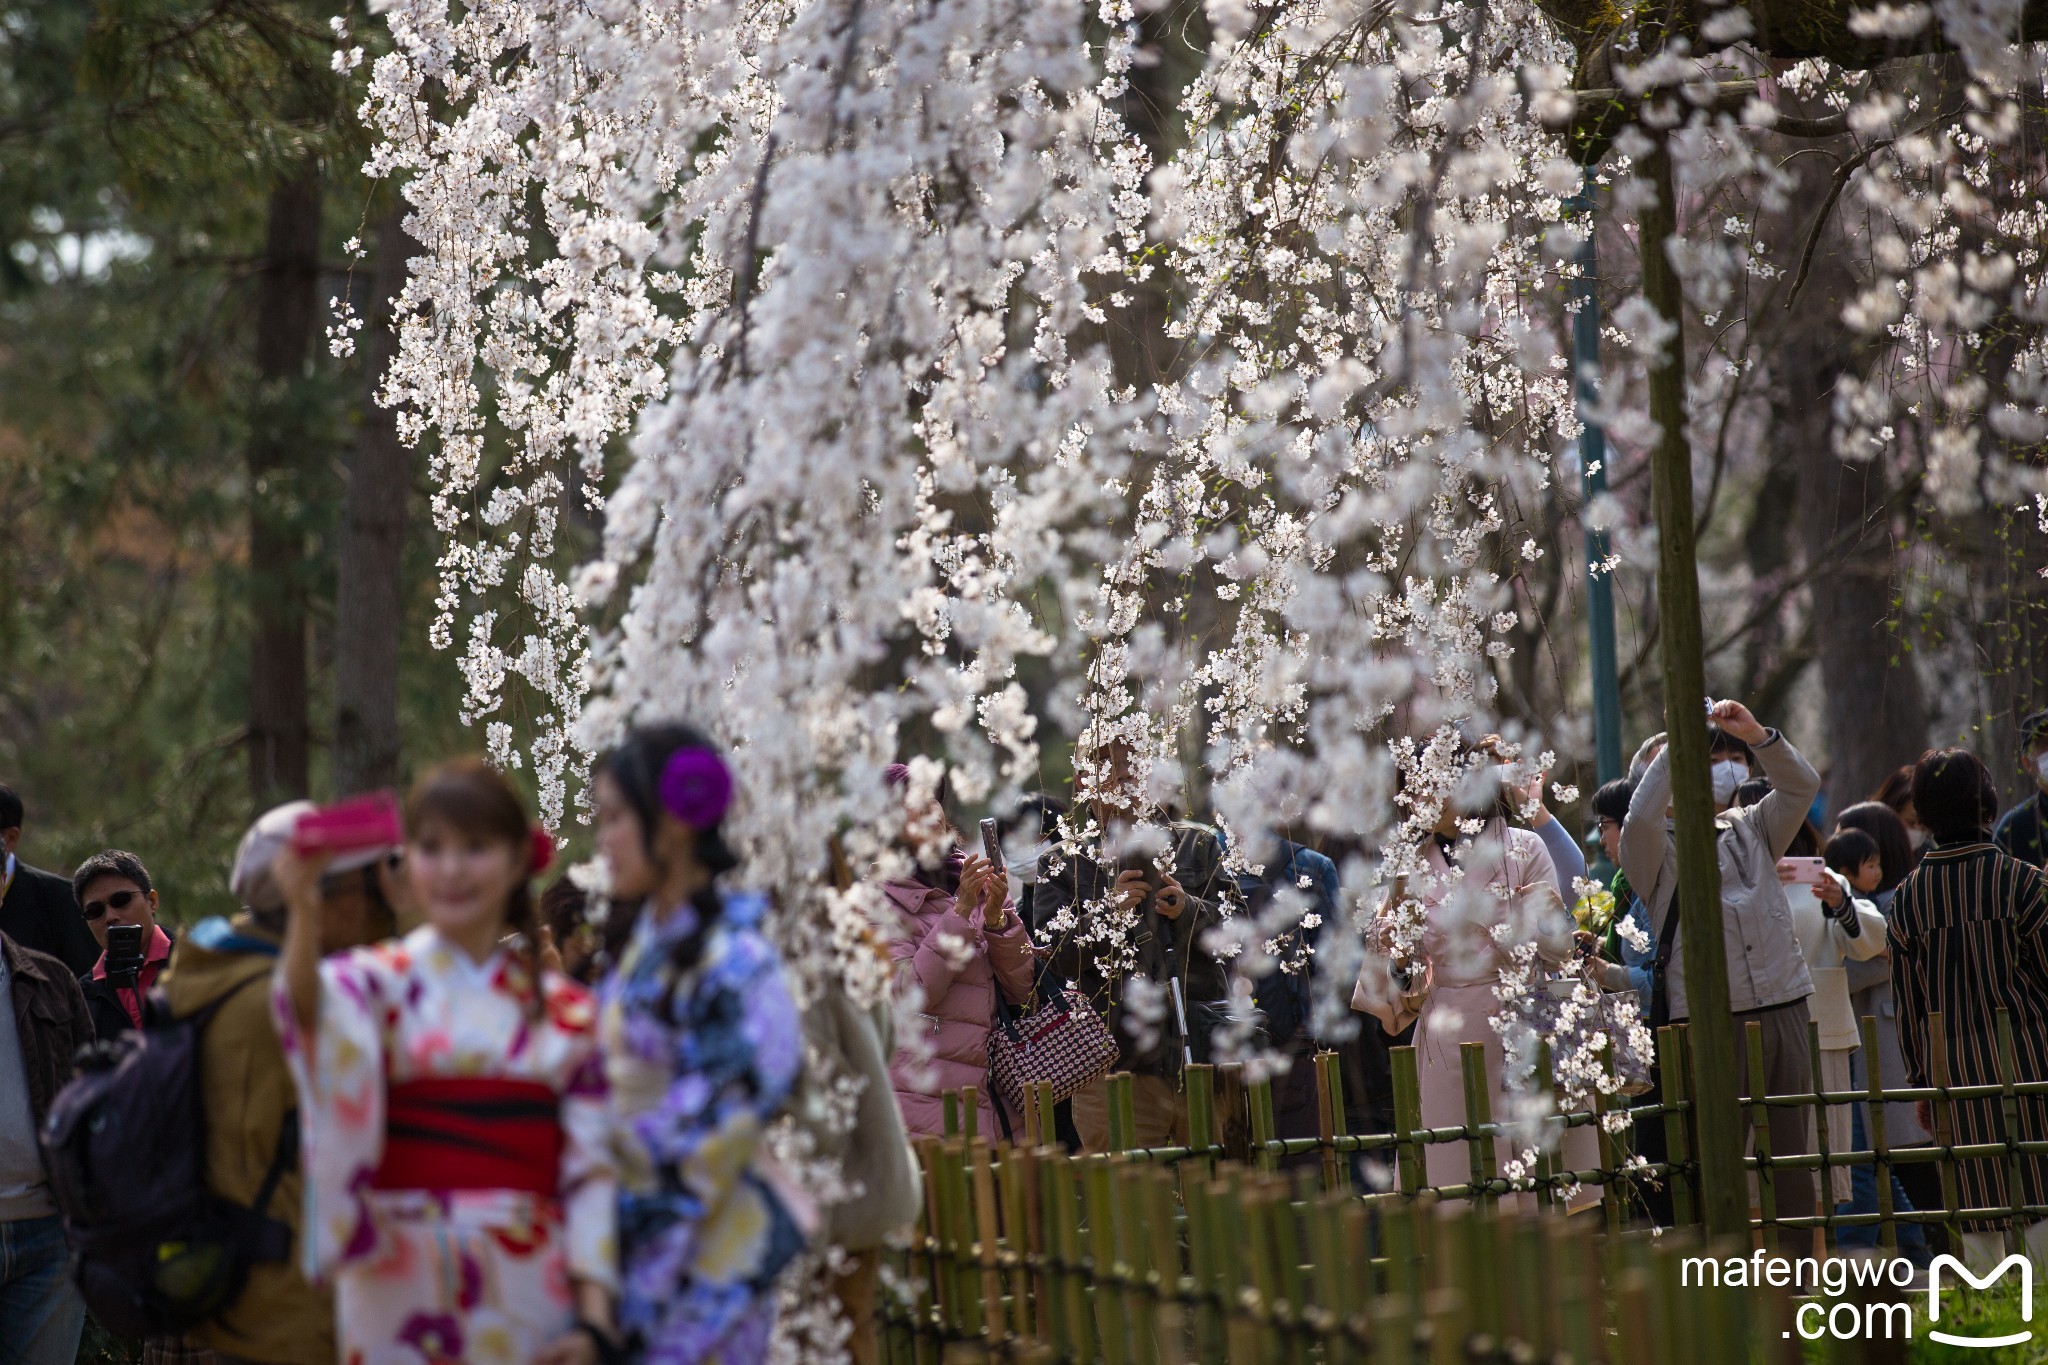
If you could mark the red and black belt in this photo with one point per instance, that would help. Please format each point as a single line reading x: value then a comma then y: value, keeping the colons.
x: 472, y: 1133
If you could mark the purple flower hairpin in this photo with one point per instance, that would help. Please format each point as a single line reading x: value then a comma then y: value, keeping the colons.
x: 696, y: 787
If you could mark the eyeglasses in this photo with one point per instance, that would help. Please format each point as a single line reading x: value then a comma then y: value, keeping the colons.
x: 120, y: 900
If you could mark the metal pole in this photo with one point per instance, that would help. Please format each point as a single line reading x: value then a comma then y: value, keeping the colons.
x: 1606, y: 684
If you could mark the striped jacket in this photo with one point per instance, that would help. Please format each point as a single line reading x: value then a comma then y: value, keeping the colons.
x: 1969, y: 935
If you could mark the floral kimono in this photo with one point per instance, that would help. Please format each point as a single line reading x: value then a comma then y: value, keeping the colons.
x: 699, y: 1061
x: 456, y: 1155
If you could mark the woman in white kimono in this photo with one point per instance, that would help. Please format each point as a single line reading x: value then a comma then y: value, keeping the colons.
x: 459, y: 1190
x: 1478, y: 898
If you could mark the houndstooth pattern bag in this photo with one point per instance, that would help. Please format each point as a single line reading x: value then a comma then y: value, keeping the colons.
x: 1063, y: 1043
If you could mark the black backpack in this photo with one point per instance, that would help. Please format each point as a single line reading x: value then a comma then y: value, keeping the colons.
x: 126, y: 1148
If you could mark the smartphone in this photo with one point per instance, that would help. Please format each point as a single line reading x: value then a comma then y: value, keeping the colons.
x: 371, y: 820
x: 1801, y: 871
x: 991, y: 842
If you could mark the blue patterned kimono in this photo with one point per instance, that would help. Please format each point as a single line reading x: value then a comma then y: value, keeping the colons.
x: 702, y: 1233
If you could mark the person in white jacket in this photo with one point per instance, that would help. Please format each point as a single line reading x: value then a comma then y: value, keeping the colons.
x: 1834, y: 926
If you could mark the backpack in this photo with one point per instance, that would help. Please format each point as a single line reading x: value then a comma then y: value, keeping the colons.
x: 125, y: 1143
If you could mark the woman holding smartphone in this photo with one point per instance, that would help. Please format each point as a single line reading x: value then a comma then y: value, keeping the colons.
x: 702, y: 1047
x: 458, y: 1176
x: 957, y: 939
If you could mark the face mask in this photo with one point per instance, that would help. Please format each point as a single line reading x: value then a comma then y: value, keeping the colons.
x: 1024, y: 871
x: 1919, y: 838
x: 1729, y: 774
x: 2041, y: 768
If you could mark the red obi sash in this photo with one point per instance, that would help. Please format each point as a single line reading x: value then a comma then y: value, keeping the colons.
x: 472, y: 1133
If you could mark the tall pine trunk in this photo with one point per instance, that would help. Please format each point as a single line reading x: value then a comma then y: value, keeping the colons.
x: 286, y: 318
x: 369, y: 604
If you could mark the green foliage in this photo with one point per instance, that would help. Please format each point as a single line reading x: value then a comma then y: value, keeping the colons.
x: 139, y: 141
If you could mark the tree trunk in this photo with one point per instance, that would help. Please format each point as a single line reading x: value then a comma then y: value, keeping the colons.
x: 1873, y: 708
x: 286, y: 315
x: 369, y: 602
x: 1722, y: 1185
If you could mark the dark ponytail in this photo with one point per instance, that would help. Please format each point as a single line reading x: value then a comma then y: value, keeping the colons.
x: 635, y: 768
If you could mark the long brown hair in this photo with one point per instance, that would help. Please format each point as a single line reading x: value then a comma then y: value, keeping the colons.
x: 470, y: 797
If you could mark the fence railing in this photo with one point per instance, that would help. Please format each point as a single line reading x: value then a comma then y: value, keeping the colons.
x: 1030, y: 1255
x: 1211, y: 1251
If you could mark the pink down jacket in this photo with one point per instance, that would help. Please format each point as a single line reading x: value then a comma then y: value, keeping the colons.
x: 957, y: 962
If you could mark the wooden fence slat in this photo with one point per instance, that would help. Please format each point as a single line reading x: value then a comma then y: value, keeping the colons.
x: 1944, y: 1108
x: 1674, y: 1086
x: 1873, y: 1131
x: 1760, y: 1136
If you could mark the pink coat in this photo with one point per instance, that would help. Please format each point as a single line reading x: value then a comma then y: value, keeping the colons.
x: 957, y: 962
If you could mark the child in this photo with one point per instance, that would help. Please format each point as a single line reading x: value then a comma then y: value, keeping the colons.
x: 1835, y: 925
x: 1853, y: 856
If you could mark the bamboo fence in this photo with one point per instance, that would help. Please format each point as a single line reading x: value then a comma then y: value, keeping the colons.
x: 1212, y: 1251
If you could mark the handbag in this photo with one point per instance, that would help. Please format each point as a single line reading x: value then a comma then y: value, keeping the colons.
x: 1062, y: 1042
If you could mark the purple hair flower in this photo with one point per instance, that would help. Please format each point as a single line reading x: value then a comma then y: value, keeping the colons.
x: 696, y: 787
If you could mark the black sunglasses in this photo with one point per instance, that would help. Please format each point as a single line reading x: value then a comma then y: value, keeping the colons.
x: 118, y: 901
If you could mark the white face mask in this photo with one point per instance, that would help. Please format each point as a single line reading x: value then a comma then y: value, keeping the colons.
x: 2041, y: 768
x: 1918, y: 837
x: 1729, y: 773
x: 1024, y: 871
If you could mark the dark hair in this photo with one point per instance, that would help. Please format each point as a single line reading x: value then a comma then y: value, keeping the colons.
x: 12, y: 812
x: 635, y: 768
x: 1896, y: 791
x: 1719, y: 741
x: 113, y: 862
x: 1849, y: 850
x: 472, y: 798
x: 1610, y: 799
x: 1039, y: 810
x: 1888, y: 832
x: 1953, y: 794
x: 1750, y: 792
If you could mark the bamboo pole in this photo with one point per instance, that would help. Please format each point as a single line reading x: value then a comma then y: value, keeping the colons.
x: 1825, y: 1176
x: 1873, y: 1127
x: 1674, y: 1073
x: 2009, y: 1105
x: 1685, y: 684
x: 1409, y: 1162
x: 1760, y: 1137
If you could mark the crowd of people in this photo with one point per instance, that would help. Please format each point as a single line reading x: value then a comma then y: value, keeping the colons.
x: 446, y: 1119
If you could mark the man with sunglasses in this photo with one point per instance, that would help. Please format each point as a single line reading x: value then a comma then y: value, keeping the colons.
x: 113, y: 888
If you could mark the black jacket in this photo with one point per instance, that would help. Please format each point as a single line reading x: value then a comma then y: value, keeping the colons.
x: 109, y: 1017
x: 41, y: 914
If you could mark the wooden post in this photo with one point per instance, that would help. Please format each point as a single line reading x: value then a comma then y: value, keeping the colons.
x: 970, y: 1112
x: 1685, y: 688
x: 1410, y: 1162
x: 1109, y: 1301
x: 1478, y: 1114
x: 1674, y: 1071
x: 1018, y: 1223
x: 949, y: 1113
x: 2009, y: 1104
x: 1200, y: 1079
x: 1123, y: 1112
x: 1329, y: 1117
x: 1760, y: 1137
x: 981, y: 1179
x: 1169, y: 1320
x: 1881, y: 1166
x: 1259, y: 1103
x: 1825, y: 1177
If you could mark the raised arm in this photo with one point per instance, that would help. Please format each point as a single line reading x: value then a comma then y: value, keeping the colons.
x: 1644, y: 840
